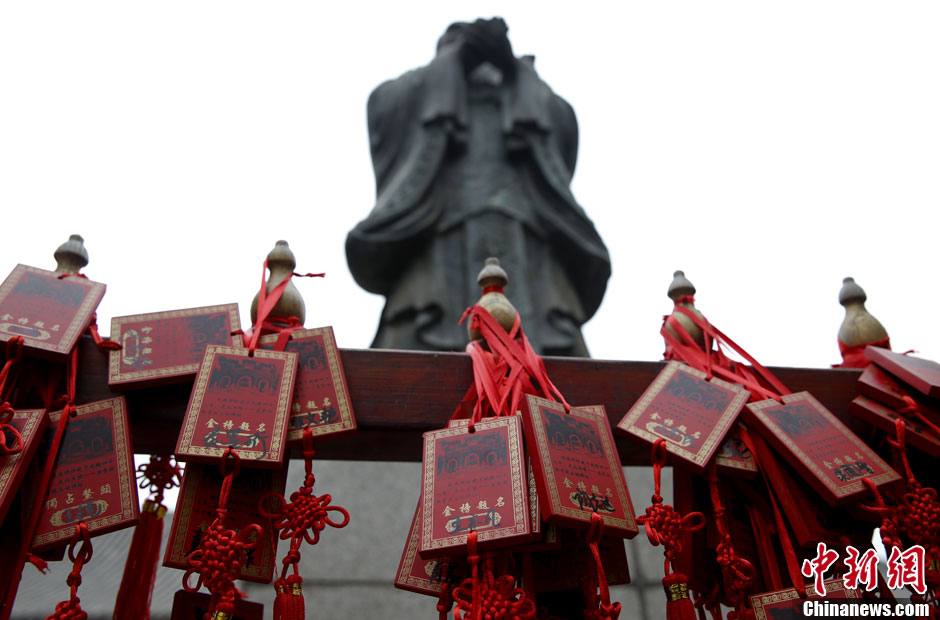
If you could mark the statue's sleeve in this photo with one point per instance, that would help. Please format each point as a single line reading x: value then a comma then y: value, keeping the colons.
x: 406, y: 153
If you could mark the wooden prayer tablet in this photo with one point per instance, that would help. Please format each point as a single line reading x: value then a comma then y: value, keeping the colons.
x: 923, y: 375
x: 562, y: 569
x: 195, y: 606
x: 535, y: 517
x: 239, y: 402
x: 820, y: 447
x: 195, y: 512
x: 427, y: 576
x: 577, y: 468
x: 916, y: 434
x: 30, y: 423
x: 691, y: 413
x: 474, y: 482
x: 733, y: 457
x: 788, y: 604
x: 48, y: 312
x: 93, y: 479
x: 321, y: 399
x: 885, y: 388
x: 167, y: 347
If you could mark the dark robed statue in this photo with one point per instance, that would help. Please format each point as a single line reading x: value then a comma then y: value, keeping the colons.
x: 473, y: 156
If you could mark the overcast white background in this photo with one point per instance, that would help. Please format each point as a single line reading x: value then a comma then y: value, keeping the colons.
x: 768, y: 149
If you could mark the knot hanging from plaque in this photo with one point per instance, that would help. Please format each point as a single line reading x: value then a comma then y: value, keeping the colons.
x: 302, y: 519
x: 79, y: 552
x: 222, y: 552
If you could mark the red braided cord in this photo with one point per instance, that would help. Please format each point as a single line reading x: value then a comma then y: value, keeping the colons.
x: 222, y: 552
x: 306, y: 515
x: 29, y: 530
x: 598, y: 607
x: 736, y: 572
x: 663, y: 524
x: 72, y: 609
x: 11, y: 442
x: 486, y: 596
x: 918, y: 512
x: 912, y: 407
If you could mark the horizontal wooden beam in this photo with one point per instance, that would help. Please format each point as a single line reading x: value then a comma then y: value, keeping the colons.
x: 398, y: 395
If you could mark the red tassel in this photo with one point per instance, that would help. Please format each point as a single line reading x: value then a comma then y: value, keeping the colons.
x: 289, y: 602
x: 140, y: 571
x: 678, y: 604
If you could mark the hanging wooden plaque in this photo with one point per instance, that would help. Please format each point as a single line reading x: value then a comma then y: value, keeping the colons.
x: 195, y: 606
x: 239, y: 402
x: 535, y: 516
x: 30, y: 423
x: 48, y: 312
x: 562, y: 569
x: 93, y: 478
x: 922, y: 374
x: 196, y: 509
x: 788, y: 604
x: 691, y: 413
x: 427, y: 576
x: 166, y: 347
x: 883, y: 387
x: 733, y: 457
x: 474, y: 482
x: 820, y: 447
x: 577, y: 468
x: 321, y: 399
x: 916, y: 433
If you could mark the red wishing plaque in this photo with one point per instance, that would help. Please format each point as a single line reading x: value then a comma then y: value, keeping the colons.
x: 166, y: 347
x: 880, y: 385
x: 239, y: 402
x: 195, y: 606
x: 50, y: 314
x: 474, y: 482
x: 923, y: 375
x: 535, y: 518
x: 577, y: 468
x: 93, y: 479
x: 562, y: 569
x: 691, y: 413
x: 195, y: 511
x: 786, y: 604
x: 820, y: 447
x: 427, y: 576
x: 915, y: 432
x: 321, y: 400
x: 30, y: 424
x: 733, y: 457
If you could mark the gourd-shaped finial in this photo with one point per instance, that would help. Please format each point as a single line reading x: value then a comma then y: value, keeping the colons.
x: 858, y: 327
x: 71, y: 256
x: 492, y: 280
x: 681, y: 292
x: 281, y: 263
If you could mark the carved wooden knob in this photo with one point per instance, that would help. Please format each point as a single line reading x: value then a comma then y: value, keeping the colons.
x: 281, y: 263
x: 681, y: 291
x: 71, y: 256
x: 492, y: 280
x: 858, y: 327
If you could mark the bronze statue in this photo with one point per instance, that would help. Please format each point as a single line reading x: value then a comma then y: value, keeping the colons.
x: 473, y: 156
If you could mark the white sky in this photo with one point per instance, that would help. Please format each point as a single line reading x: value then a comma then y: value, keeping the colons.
x: 768, y: 149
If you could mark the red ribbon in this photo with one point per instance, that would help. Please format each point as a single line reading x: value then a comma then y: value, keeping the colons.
x: 853, y: 356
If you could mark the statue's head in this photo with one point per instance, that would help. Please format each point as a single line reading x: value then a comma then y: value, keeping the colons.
x: 493, y: 29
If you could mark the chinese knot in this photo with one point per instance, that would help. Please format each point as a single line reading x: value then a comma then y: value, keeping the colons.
x: 72, y: 609
x: 300, y: 520
x: 222, y: 552
x: 493, y: 598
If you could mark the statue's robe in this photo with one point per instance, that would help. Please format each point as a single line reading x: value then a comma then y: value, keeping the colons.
x: 466, y: 169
